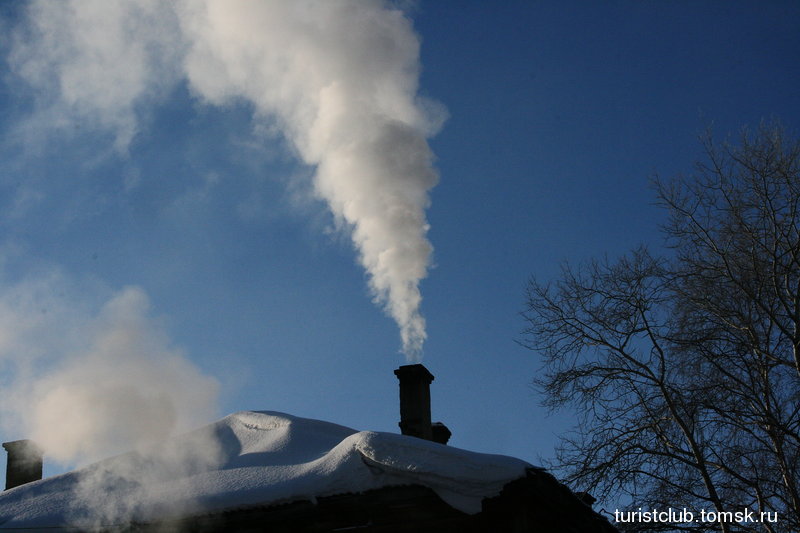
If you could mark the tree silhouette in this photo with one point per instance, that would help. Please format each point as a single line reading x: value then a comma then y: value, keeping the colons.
x: 686, y: 367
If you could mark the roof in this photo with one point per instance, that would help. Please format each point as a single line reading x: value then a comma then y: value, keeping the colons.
x: 252, y: 459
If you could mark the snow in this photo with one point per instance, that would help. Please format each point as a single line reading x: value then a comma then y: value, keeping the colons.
x: 253, y: 458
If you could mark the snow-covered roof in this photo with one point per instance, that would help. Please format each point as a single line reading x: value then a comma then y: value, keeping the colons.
x: 254, y: 458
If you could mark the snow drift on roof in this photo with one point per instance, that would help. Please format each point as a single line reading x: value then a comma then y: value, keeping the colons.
x: 254, y: 458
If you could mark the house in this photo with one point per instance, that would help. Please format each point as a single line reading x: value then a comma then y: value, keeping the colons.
x: 267, y: 471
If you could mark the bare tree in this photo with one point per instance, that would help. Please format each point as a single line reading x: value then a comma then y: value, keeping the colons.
x: 686, y: 367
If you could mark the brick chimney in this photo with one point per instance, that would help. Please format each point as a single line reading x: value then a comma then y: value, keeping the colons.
x: 415, y: 401
x: 24, y: 465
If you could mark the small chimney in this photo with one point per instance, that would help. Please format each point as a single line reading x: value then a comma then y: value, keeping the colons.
x: 415, y: 401
x: 440, y: 433
x: 24, y: 465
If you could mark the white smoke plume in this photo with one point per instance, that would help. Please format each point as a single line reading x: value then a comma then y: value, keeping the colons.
x: 129, y: 389
x: 338, y: 79
x: 88, y: 374
x: 84, y: 385
x: 90, y: 63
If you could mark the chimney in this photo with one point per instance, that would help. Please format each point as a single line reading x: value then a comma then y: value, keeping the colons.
x: 24, y: 463
x: 440, y: 433
x: 415, y: 401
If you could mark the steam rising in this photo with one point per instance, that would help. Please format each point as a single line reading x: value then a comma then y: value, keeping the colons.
x: 113, y: 383
x: 86, y: 377
x: 86, y: 381
x: 129, y: 389
x: 338, y: 79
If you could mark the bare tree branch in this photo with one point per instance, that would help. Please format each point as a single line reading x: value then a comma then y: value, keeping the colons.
x: 686, y: 368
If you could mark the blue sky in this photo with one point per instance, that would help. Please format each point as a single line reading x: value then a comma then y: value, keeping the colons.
x: 201, y: 234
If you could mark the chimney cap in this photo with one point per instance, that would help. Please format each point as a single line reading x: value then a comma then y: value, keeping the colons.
x: 22, y: 445
x: 414, y: 371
